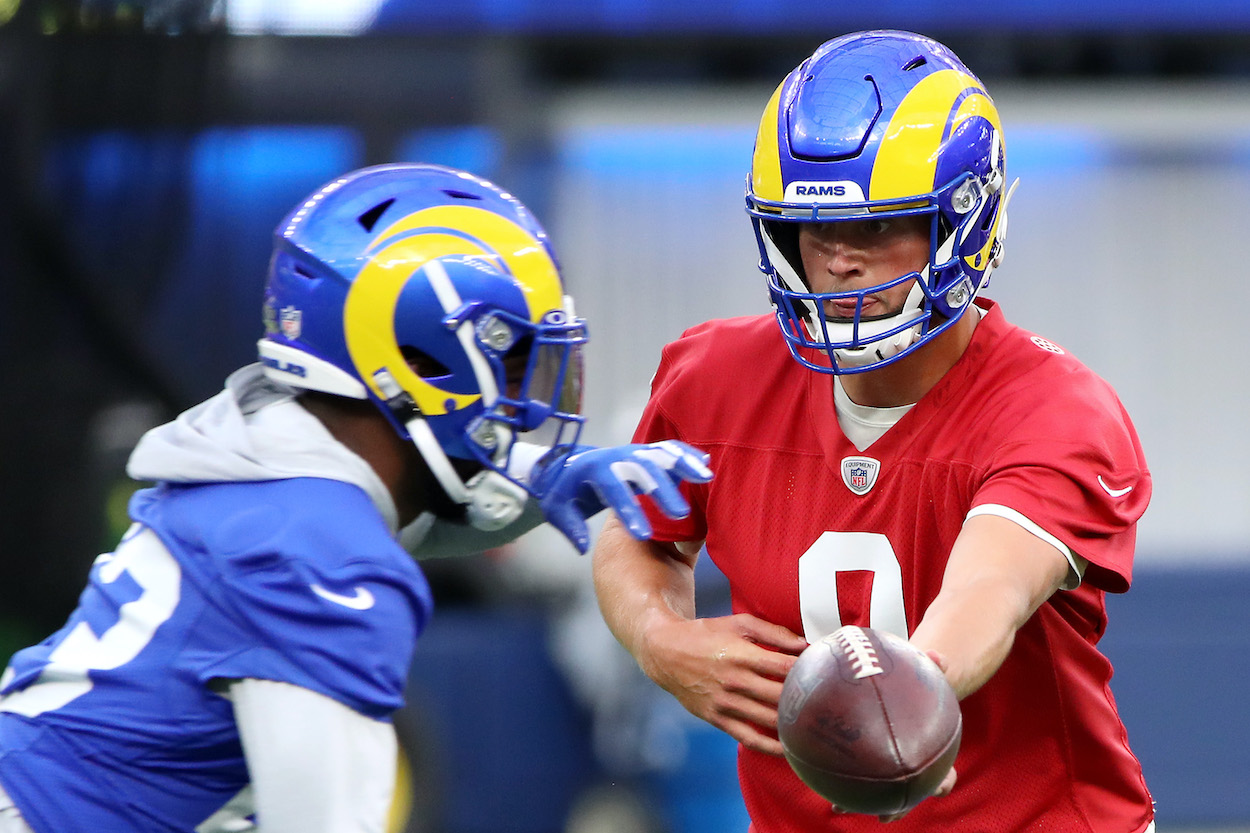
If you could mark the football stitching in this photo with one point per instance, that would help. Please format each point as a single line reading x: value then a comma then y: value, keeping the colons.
x: 860, y: 652
x: 899, y: 764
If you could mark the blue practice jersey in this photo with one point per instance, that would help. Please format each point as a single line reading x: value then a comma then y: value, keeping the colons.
x: 111, y: 724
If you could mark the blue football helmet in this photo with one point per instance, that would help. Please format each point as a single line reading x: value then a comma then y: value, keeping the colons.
x: 435, y: 295
x: 875, y: 125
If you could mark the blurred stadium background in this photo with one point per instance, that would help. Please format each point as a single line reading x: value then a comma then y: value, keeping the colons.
x: 147, y: 149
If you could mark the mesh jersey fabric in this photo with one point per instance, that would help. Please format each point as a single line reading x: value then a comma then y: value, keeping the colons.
x: 296, y: 580
x: 1017, y: 422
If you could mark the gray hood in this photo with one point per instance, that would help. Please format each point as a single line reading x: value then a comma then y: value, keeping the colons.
x: 253, y: 430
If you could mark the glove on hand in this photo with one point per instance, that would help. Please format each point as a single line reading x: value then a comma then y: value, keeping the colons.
x: 578, y: 486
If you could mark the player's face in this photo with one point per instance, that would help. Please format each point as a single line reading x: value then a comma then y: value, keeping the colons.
x: 856, y: 254
x: 515, y: 364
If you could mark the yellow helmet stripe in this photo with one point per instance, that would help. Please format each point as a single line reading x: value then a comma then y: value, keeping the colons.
x: 370, y: 309
x: 766, y: 160
x: 907, y: 161
x: 525, y: 257
x: 375, y: 292
x: 980, y: 105
x: 977, y: 104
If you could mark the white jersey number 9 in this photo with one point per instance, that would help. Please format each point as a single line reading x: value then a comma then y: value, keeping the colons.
x: 839, y: 552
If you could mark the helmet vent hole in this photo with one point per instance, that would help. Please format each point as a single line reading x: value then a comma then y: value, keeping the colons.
x: 461, y: 195
x: 370, y: 218
x: 423, y: 364
x: 915, y: 63
x: 303, y: 273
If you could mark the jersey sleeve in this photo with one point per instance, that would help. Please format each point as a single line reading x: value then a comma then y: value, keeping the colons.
x: 307, y: 587
x: 347, y: 632
x: 661, y: 420
x: 1075, y: 467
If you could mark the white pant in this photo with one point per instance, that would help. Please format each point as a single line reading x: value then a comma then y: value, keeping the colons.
x: 10, y: 819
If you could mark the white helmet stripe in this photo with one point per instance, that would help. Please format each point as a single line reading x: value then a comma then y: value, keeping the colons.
x: 451, y: 301
x: 430, y: 448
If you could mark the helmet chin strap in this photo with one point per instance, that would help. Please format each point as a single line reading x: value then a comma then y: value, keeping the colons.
x: 878, y: 348
x: 491, y: 500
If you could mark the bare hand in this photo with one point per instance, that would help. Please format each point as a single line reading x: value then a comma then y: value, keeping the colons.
x: 727, y: 671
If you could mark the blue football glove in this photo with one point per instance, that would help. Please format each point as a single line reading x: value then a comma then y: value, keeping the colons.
x: 578, y: 486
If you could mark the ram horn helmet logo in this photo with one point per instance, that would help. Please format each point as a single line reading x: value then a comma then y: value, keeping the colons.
x: 860, y: 473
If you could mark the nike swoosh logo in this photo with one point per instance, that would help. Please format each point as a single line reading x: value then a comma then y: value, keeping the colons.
x: 1111, y: 491
x: 363, y: 600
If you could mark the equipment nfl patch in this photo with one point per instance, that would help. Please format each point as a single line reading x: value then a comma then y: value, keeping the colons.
x: 291, y: 321
x: 860, y: 473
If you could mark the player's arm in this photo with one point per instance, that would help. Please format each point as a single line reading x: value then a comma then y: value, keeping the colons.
x: 727, y: 670
x: 317, y: 766
x: 998, y: 574
x: 574, y: 488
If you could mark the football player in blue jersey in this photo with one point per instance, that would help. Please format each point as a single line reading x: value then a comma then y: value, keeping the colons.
x: 234, y: 662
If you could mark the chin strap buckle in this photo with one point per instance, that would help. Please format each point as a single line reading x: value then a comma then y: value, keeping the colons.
x: 494, y: 501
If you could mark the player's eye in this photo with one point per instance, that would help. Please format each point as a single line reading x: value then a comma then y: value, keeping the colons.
x: 879, y: 227
x: 423, y: 364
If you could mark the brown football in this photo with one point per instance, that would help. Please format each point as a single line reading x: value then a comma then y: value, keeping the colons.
x: 868, y: 721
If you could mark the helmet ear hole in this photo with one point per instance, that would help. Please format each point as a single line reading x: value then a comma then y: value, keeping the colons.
x: 521, y: 349
x: 423, y: 364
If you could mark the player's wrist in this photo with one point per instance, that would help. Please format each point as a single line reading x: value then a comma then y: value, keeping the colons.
x: 657, y: 633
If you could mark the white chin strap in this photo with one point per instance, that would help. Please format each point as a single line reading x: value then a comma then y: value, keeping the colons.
x: 878, y: 348
x: 1002, y: 229
x: 491, y: 500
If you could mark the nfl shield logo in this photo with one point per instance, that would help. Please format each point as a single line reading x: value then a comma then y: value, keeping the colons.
x: 860, y: 473
x: 290, y: 320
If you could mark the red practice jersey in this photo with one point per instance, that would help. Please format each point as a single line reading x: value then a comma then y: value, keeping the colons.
x: 812, y: 532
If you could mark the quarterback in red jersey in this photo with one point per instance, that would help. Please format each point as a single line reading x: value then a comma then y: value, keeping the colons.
x: 895, y: 454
